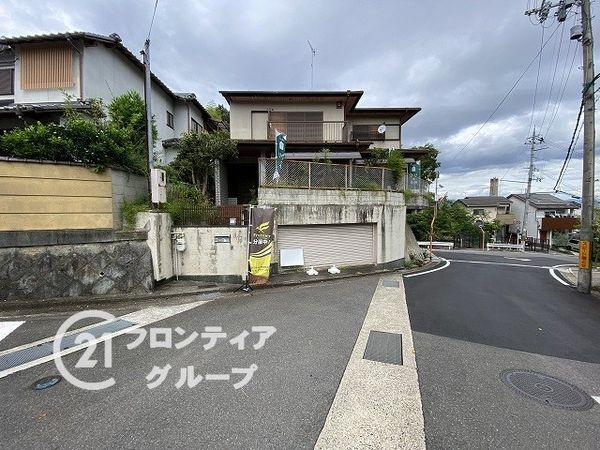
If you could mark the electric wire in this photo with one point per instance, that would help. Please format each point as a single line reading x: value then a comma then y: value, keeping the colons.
x: 576, y: 132
x: 503, y: 99
x: 152, y: 21
x: 560, y: 40
x: 537, y: 80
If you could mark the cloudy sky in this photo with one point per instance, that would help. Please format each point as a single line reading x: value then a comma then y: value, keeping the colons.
x: 473, y: 66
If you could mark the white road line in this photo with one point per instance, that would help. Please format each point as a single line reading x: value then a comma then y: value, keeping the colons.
x: 491, y: 263
x: 446, y: 261
x: 552, y: 271
x: 518, y: 259
x: 597, y: 398
x: 8, y: 327
x: 140, y: 318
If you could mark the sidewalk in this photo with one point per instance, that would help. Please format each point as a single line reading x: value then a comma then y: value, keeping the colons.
x: 570, y: 275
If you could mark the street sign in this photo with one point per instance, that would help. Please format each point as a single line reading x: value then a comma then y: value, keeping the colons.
x: 584, y: 254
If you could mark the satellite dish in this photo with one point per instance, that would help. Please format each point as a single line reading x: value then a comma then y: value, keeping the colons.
x: 381, y: 128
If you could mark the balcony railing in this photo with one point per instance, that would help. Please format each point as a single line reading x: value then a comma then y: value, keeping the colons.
x: 312, y: 175
x: 317, y: 131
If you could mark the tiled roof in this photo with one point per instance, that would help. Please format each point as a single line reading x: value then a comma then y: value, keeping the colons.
x: 545, y: 201
x: 484, y: 201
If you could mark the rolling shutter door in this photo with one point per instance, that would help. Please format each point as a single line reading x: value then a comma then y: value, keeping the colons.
x: 330, y: 244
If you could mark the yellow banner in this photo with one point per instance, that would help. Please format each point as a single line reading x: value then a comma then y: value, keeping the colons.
x: 584, y: 254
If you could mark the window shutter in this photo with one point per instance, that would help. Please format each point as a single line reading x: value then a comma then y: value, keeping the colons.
x: 46, y: 67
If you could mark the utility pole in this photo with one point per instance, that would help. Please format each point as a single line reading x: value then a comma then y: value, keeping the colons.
x: 534, y: 139
x: 148, y: 103
x: 586, y: 235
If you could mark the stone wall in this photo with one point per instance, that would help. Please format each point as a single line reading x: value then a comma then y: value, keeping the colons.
x: 44, y: 272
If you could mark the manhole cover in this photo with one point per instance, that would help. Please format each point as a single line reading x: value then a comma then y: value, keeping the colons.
x: 546, y: 389
x: 47, y: 382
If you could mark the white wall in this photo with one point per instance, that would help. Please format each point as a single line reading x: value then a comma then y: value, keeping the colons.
x: 203, y: 257
x: 322, y: 207
x: 241, y: 114
x: 159, y: 227
x: 517, y: 208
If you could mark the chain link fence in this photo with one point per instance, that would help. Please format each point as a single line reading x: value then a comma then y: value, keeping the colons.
x: 316, y: 175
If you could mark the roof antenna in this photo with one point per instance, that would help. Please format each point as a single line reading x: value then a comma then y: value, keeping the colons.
x: 313, y: 52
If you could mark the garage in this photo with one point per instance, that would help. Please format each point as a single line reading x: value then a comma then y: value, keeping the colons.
x: 324, y: 245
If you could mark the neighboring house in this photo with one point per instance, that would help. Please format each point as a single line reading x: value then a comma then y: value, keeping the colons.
x: 37, y: 73
x: 312, y: 121
x: 546, y: 215
x: 490, y: 208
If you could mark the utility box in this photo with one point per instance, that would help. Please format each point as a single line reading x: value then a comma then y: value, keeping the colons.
x: 158, y: 183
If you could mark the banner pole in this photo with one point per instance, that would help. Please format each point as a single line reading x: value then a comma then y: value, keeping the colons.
x: 246, y: 287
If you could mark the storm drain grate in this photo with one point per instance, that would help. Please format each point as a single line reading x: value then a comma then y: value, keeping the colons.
x: 26, y: 355
x: 391, y: 283
x: 384, y: 347
x: 546, y: 389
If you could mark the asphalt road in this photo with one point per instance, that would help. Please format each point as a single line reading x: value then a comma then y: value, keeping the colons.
x: 486, y: 313
x: 284, y: 405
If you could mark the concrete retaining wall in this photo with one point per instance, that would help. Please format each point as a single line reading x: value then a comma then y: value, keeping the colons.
x: 387, y: 210
x: 216, y: 254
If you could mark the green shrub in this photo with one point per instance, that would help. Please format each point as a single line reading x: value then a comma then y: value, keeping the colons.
x: 130, y: 209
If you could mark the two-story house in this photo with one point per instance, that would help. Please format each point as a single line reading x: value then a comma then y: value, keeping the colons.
x: 312, y: 121
x: 546, y: 215
x: 491, y: 208
x: 38, y: 73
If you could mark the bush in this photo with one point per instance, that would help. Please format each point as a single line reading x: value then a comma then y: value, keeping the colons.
x: 130, y: 209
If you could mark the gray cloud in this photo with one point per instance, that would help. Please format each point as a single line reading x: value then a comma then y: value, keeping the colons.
x: 455, y: 60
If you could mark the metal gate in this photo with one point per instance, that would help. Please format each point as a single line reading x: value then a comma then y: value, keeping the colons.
x: 330, y: 244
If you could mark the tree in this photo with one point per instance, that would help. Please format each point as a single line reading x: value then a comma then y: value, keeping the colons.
x: 197, y: 155
x: 389, y: 158
x: 128, y: 112
x: 452, y: 220
x: 429, y: 163
x: 219, y: 113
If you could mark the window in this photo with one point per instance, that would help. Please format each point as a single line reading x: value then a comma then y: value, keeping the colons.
x: 46, y: 67
x: 7, y: 71
x: 7, y: 81
x: 170, y: 120
x: 196, y: 127
x: 367, y: 133
x: 478, y: 212
x: 298, y: 125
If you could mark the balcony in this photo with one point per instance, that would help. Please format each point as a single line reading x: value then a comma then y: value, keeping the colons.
x: 559, y: 223
x: 310, y: 131
x: 312, y: 175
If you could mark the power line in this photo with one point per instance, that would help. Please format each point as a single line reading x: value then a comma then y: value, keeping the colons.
x: 537, y: 79
x: 152, y: 21
x: 504, y: 98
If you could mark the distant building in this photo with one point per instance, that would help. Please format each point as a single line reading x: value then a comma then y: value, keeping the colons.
x: 490, y: 208
x: 546, y: 215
